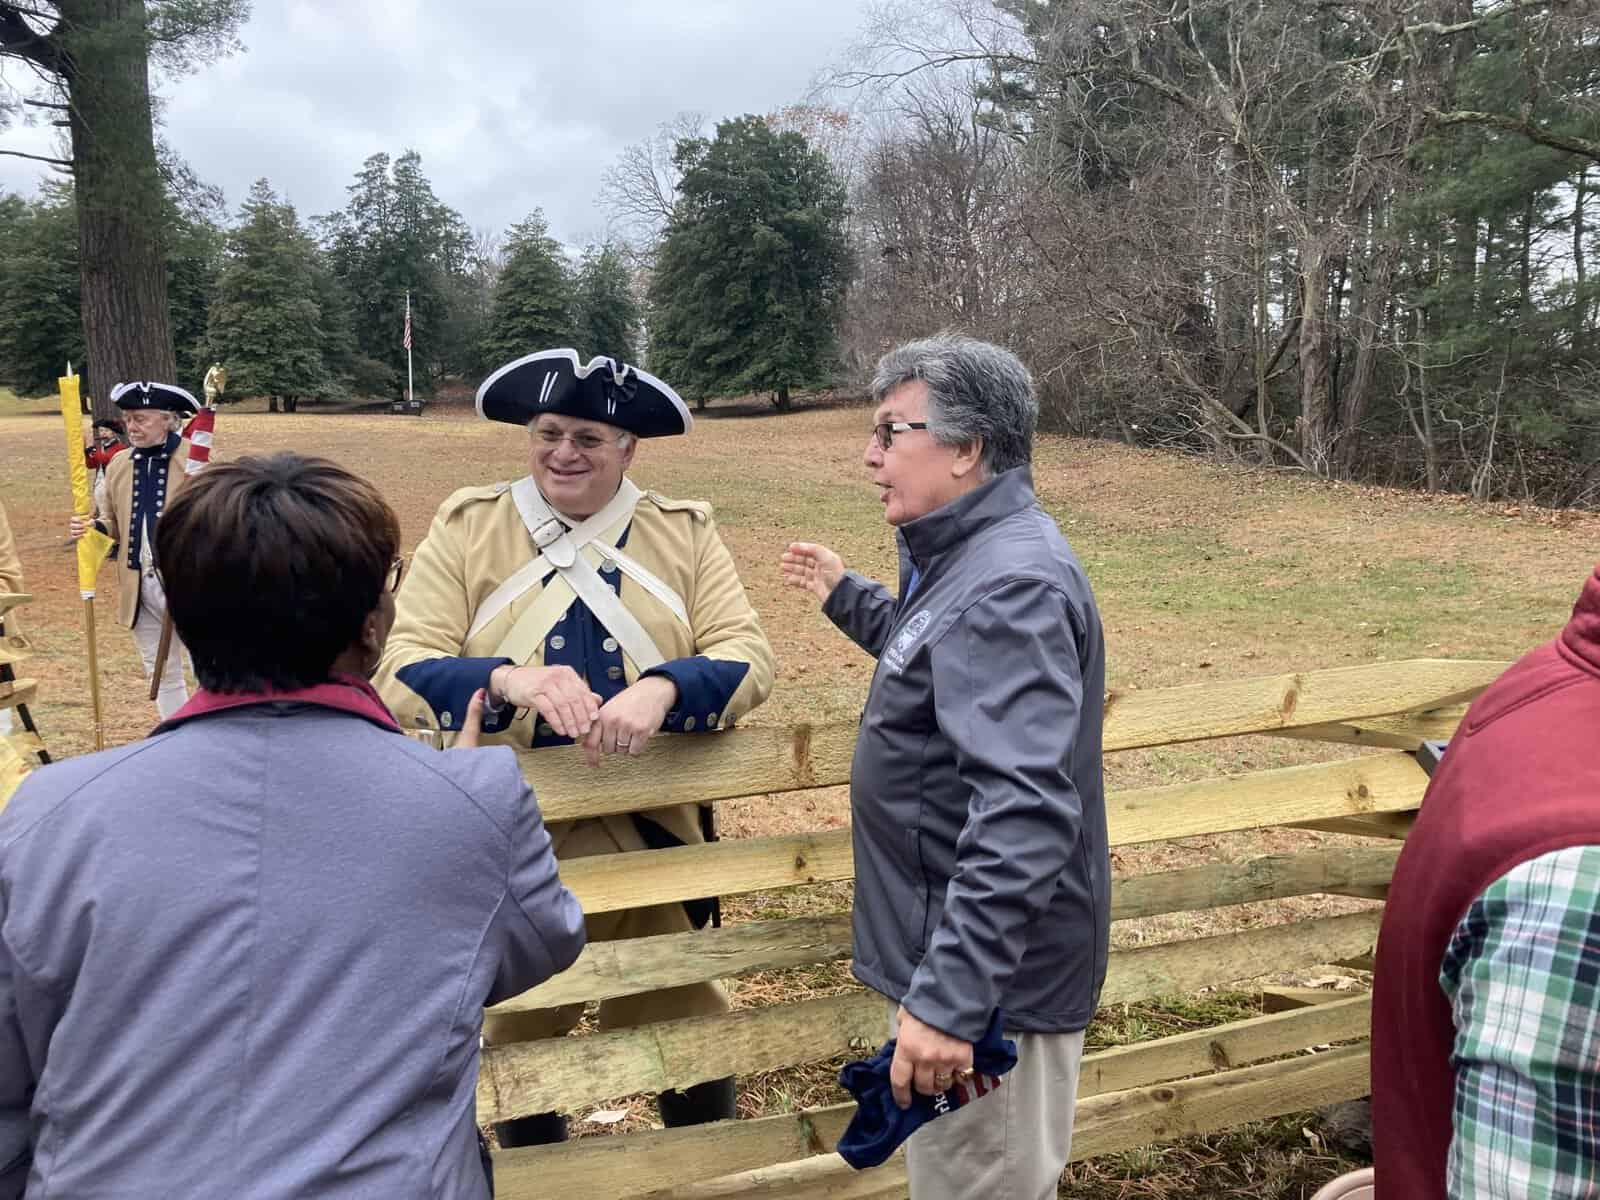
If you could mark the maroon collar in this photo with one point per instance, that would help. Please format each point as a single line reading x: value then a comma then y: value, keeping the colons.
x: 346, y: 693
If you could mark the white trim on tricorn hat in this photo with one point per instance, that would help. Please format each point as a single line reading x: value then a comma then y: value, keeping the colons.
x: 168, y: 397
x: 553, y: 381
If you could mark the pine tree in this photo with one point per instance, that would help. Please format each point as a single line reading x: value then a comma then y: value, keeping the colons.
x: 39, y: 325
x: 266, y: 323
x: 605, y: 310
x: 533, y: 296
x: 750, y: 280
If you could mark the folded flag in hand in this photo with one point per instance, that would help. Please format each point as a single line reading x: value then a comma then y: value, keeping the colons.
x: 880, y: 1125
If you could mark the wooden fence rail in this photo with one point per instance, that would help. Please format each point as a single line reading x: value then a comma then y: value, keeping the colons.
x: 1130, y: 1095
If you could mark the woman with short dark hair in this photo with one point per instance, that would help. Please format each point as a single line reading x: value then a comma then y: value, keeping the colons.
x: 248, y: 956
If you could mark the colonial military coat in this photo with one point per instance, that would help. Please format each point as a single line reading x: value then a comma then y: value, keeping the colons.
x: 157, y: 474
x: 720, y: 659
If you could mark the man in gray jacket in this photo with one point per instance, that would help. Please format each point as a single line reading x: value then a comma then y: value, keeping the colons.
x: 982, y: 869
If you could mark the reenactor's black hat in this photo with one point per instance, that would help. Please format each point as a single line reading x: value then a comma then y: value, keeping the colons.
x: 168, y: 397
x: 605, y: 390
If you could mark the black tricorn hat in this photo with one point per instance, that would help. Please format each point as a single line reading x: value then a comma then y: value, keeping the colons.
x: 168, y: 397
x: 551, y: 381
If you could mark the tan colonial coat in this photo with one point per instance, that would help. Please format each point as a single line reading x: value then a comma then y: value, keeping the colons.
x: 478, y: 539
x: 117, y: 519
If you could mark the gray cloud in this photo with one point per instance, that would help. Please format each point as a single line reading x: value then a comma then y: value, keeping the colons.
x: 512, y: 105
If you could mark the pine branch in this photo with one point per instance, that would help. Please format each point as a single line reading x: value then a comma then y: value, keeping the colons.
x: 1541, y: 134
x: 54, y: 162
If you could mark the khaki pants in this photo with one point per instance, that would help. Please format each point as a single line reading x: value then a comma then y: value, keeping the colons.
x: 1011, y: 1144
x: 611, y: 835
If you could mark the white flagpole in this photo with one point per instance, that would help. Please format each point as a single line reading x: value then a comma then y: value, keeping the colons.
x: 411, y: 394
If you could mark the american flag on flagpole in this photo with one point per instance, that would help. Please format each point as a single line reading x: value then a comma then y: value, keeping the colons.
x: 199, y: 434
x: 406, y: 340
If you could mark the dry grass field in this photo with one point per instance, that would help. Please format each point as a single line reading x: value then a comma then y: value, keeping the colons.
x: 1200, y: 572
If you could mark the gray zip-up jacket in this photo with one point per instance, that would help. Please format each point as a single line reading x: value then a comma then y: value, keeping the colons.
x: 978, y: 807
x: 248, y: 957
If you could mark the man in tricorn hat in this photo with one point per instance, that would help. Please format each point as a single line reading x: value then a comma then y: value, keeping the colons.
x: 139, y: 486
x: 589, y: 611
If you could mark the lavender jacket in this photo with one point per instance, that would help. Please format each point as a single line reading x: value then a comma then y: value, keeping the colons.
x: 248, y: 956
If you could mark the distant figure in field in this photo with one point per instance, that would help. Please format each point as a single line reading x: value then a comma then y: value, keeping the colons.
x: 139, y: 486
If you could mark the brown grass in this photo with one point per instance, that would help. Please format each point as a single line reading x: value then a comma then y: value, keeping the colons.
x: 1199, y: 571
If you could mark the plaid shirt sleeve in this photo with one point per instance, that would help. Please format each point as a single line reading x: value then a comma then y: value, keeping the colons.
x: 1523, y: 978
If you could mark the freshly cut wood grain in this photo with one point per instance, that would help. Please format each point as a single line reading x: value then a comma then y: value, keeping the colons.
x: 1268, y: 703
x: 757, y: 761
x: 1268, y: 877
x: 1165, y: 1111
x: 1387, y: 782
x: 641, y: 1163
x: 690, y: 769
x: 1178, y: 968
x: 1393, y: 825
x: 1376, y: 783
x: 1342, y: 1018
x: 1406, y: 731
x: 1103, y: 1125
x: 567, y: 1073
x: 605, y: 883
x: 608, y: 969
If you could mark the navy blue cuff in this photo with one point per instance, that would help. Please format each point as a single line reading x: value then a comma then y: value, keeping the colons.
x: 446, y: 686
x: 705, y: 685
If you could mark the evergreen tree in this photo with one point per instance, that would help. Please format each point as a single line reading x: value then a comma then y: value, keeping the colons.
x: 266, y: 323
x: 396, y: 237
x: 750, y: 280
x: 39, y: 325
x: 605, y: 310
x: 532, y: 298
x: 92, y: 59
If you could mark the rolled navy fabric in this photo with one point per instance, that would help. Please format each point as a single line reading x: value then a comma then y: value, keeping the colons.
x: 880, y: 1125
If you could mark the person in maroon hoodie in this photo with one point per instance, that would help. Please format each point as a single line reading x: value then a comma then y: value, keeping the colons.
x: 1486, y: 998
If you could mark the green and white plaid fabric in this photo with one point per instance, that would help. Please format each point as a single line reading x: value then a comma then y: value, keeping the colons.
x: 1523, y: 977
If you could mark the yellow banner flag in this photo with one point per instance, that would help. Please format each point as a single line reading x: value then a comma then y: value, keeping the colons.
x: 93, y: 545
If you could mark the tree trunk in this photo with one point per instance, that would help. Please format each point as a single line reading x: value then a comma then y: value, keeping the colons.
x: 780, y: 398
x: 272, y: 404
x: 1580, y: 298
x: 126, y: 323
x: 1366, y: 311
x: 1318, y: 430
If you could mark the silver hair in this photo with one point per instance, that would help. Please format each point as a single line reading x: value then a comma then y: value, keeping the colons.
x: 627, y: 439
x: 975, y: 390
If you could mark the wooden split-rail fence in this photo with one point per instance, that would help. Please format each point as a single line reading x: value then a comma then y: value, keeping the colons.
x: 1130, y: 1095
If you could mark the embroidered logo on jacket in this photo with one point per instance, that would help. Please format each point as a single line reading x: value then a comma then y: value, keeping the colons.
x: 914, y: 628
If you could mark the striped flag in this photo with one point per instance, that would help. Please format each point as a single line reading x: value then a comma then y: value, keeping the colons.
x: 406, y: 340
x: 198, y: 432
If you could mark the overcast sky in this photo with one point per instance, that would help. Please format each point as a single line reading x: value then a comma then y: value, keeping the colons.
x: 513, y: 104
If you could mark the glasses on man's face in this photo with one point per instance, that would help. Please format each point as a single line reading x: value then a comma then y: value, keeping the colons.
x: 884, y: 431
x: 396, y: 569
x: 583, y: 441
